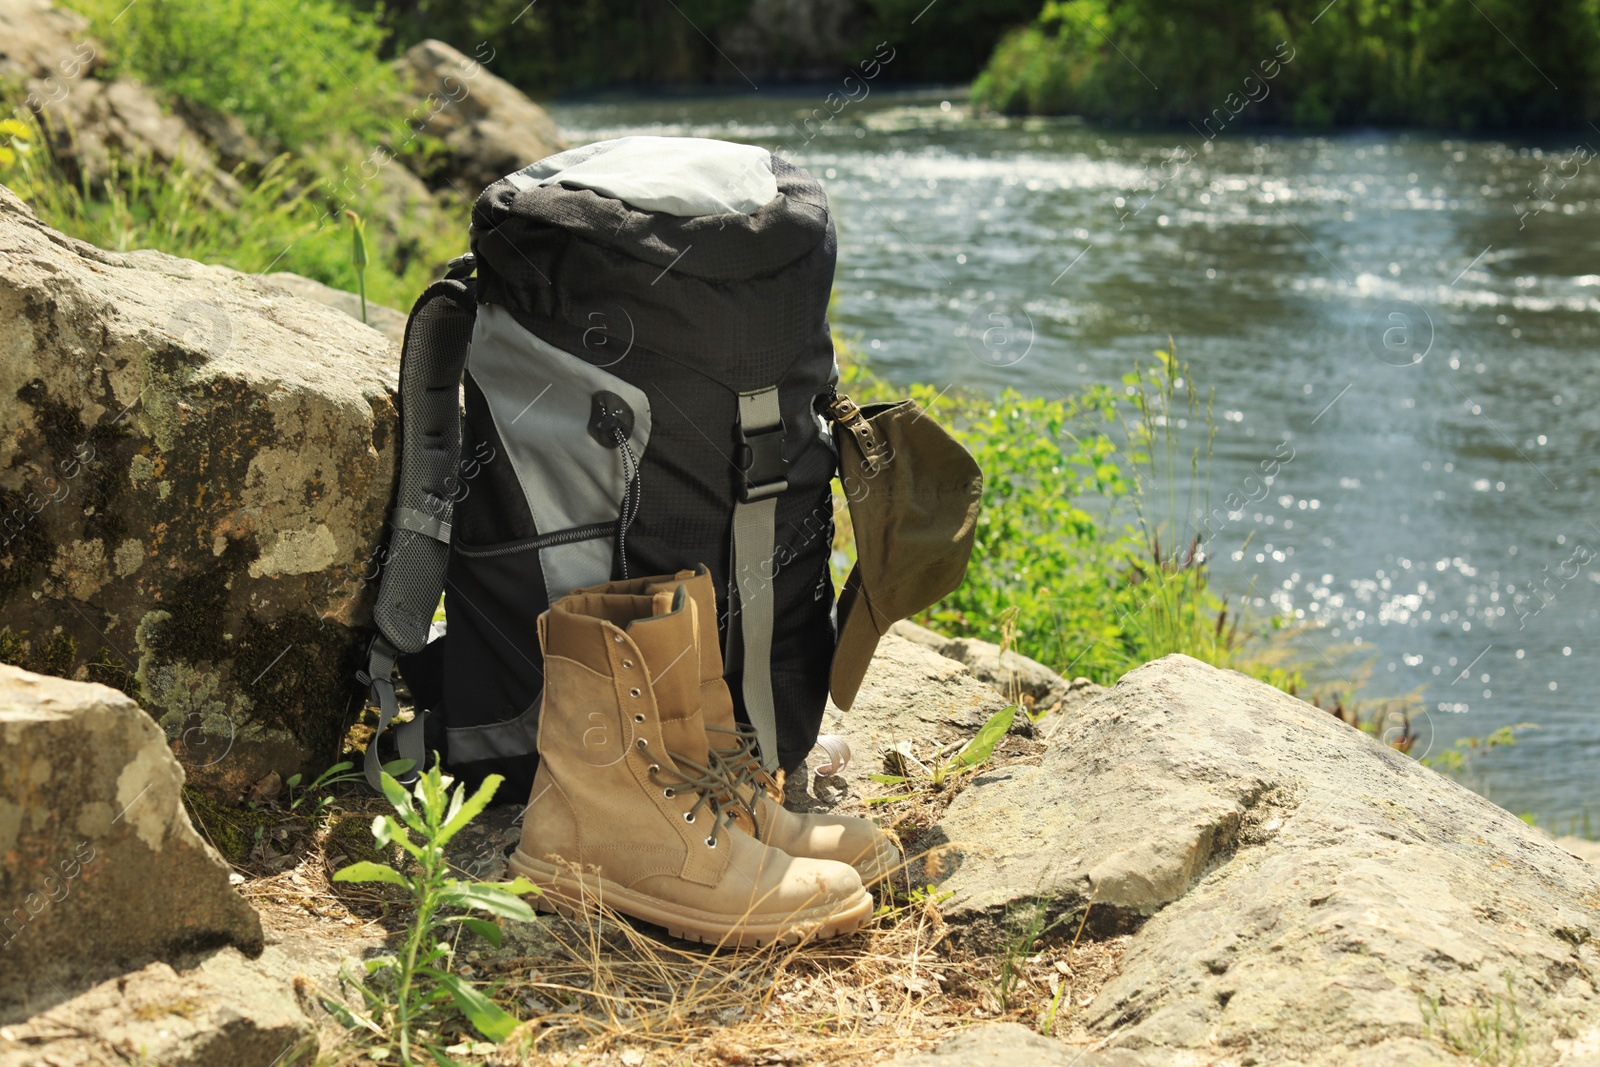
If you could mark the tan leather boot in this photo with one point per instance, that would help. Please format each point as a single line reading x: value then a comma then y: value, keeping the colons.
x: 845, y: 838
x: 625, y: 810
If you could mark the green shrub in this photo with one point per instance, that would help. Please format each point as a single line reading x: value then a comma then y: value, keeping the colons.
x: 294, y: 72
x: 1466, y: 64
x: 1038, y: 551
x: 1078, y: 560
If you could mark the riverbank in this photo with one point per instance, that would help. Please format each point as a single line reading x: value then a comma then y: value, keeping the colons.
x: 1405, y: 525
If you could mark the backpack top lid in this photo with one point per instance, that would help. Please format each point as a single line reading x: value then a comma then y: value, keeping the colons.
x: 746, y: 214
x: 684, y: 176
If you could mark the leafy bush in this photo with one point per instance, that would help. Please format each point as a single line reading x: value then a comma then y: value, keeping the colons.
x: 1452, y: 63
x: 295, y: 72
x: 1078, y: 560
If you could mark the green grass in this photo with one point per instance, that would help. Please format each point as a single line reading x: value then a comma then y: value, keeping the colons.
x: 305, y: 78
x: 295, y: 73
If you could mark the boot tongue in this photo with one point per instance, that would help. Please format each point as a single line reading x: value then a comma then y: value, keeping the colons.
x: 667, y: 641
x: 716, y: 702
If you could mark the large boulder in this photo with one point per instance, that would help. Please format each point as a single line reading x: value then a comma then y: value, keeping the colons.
x: 489, y: 127
x: 386, y: 320
x: 194, y: 472
x: 1017, y: 677
x: 221, y: 1013
x: 103, y: 871
x: 1301, y: 893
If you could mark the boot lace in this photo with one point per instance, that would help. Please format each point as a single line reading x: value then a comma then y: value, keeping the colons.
x: 712, y: 788
x: 743, y: 768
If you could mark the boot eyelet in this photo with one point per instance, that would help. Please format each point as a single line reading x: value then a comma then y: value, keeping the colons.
x: 628, y: 663
x: 634, y: 692
x: 638, y: 718
x: 655, y: 768
x: 643, y: 743
x: 617, y: 638
x: 669, y: 794
x: 711, y: 842
x: 688, y: 816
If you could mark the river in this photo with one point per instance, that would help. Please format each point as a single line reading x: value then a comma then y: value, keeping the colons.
x: 1415, y: 314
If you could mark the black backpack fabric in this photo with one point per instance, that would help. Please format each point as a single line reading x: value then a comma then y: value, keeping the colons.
x: 630, y: 385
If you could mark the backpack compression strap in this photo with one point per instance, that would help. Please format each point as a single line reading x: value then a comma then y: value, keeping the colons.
x: 753, y: 563
x: 432, y: 359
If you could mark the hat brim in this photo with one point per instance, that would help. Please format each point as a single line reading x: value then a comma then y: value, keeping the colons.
x: 858, y: 640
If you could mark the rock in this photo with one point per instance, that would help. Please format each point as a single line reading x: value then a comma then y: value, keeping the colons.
x: 994, y: 1045
x: 910, y: 693
x: 103, y: 870
x: 386, y: 320
x: 1313, y: 894
x: 220, y: 1014
x: 43, y: 41
x: 1015, y: 676
x: 489, y: 126
x: 194, y: 473
x: 1581, y: 847
x: 226, y: 134
x: 99, y: 122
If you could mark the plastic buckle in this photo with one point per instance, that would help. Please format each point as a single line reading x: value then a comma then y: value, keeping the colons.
x: 462, y: 266
x: 761, y: 459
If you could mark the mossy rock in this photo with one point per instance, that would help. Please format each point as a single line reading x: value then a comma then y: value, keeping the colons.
x: 192, y: 501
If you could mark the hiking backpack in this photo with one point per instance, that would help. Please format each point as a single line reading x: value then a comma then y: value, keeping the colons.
x: 623, y: 378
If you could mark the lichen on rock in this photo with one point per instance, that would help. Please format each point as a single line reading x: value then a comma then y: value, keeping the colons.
x: 193, y: 469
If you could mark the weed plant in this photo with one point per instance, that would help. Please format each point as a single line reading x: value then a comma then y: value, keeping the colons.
x: 402, y: 989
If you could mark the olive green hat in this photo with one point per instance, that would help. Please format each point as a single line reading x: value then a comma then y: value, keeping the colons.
x: 914, y: 495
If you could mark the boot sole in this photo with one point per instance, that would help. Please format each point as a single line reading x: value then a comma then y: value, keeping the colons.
x: 565, y: 894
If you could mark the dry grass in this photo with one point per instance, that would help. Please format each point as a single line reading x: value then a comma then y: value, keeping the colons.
x: 609, y: 988
x: 603, y: 990
x: 606, y: 991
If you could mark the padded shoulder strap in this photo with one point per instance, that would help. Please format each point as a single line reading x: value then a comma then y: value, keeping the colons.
x: 432, y: 360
